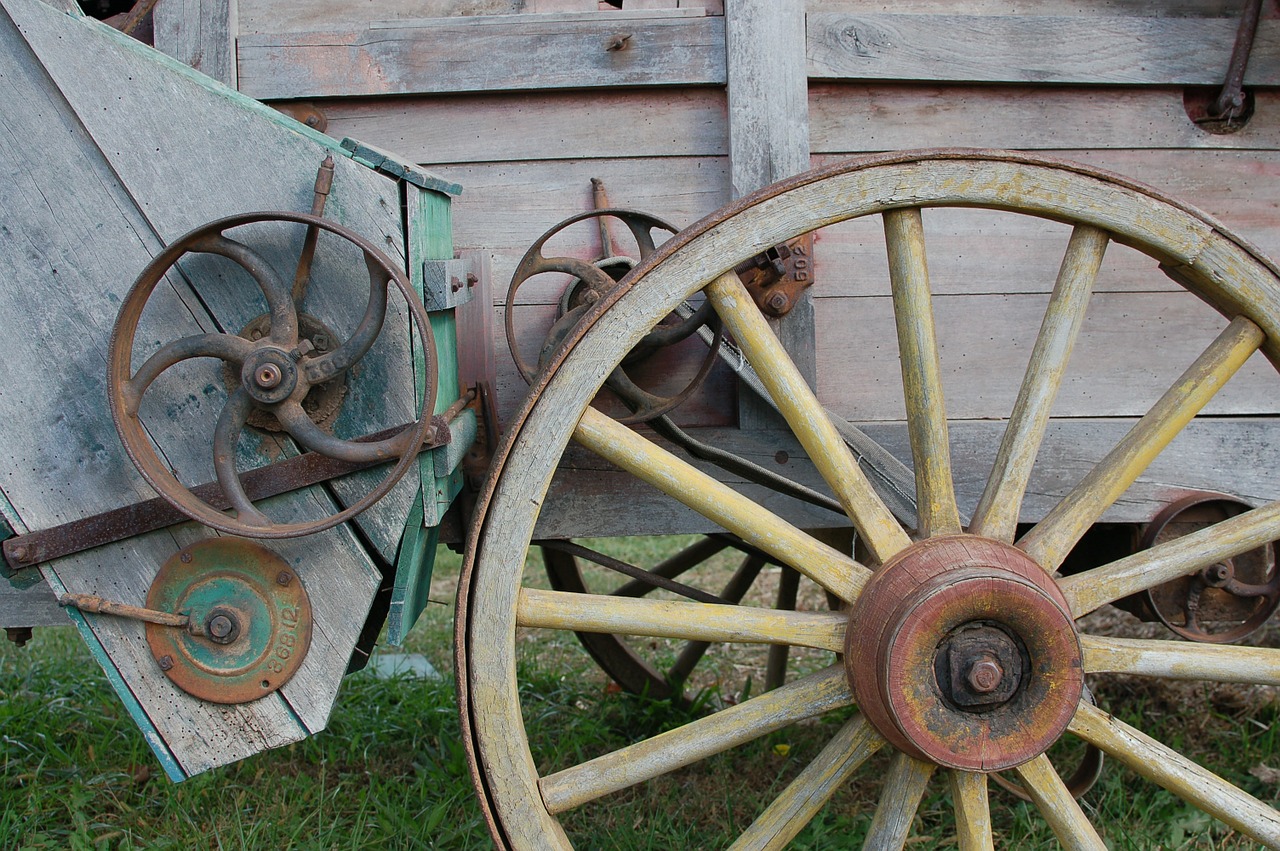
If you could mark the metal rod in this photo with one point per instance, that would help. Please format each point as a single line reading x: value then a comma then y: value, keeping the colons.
x: 97, y: 605
x: 1231, y: 99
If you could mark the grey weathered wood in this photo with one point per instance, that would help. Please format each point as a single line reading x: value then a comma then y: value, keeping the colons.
x: 856, y: 117
x: 276, y: 16
x: 1034, y: 49
x: 109, y: 161
x: 486, y: 53
x: 769, y: 139
x: 199, y: 33
x: 33, y: 605
x: 539, y: 126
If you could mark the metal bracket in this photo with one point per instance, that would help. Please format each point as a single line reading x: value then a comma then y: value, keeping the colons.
x: 777, y: 277
x: 447, y: 283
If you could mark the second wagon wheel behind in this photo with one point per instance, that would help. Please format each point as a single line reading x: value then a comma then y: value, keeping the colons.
x: 961, y: 649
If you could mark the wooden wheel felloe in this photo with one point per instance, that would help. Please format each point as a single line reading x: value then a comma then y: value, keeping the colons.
x: 913, y: 642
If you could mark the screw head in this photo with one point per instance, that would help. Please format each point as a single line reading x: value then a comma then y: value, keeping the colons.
x: 985, y: 675
x: 166, y: 663
x: 777, y: 302
x: 284, y: 577
x: 185, y: 558
x: 19, y: 553
x: 222, y: 626
x: 268, y: 376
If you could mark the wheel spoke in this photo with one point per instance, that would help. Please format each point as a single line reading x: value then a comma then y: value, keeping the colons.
x: 673, y: 567
x: 1059, y: 808
x: 356, y: 346
x: 284, y: 316
x: 921, y: 373
x: 226, y: 435
x: 825, y: 565
x: 227, y: 347
x: 1050, y: 541
x: 997, y: 513
x: 1181, y: 776
x: 1181, y: 660
x: 678, y: 619
x: 776, y: 668
x: 306, y: 432
x: 734, y: 590
x: 787, y: 815
x: 801, y: 409
x: 808, y: 697
x: 973, y: 811
x: 1177, y: 557
x: 899, y: 799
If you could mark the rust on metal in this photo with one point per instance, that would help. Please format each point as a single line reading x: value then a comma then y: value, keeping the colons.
x: 300, y: 471
x: 97, y: 605
x: 778, y: 277
x: 962, y: 651
x: 254, y: 631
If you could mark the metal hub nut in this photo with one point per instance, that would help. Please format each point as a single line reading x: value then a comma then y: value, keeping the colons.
x: 979, y: 667
x: 222, y: 626
x: 268, y: 376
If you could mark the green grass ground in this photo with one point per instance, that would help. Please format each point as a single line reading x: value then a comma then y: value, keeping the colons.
x: 391, y: 773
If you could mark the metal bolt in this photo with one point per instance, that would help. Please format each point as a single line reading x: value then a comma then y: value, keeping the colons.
x: 284, y: 578
x: 19, y: 635
x: 19, y: 553
x: 255, y: 334
x: 985, y: 675
x: 321, y: 341
x: 166, y: 663
x: 185, y: 558
x: 268, y: 376
x: 220, y: 626
x: 777, y: 302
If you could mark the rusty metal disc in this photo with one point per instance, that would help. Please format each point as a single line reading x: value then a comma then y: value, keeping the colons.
x: 962, y: 651
x: 250, y: 620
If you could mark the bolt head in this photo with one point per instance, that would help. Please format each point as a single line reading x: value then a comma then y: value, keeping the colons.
x: 185, y: 558
x: 166, y: 663
x: 985, y: 675
x: 284, y: 578
x: 19, y: 553
x: 268, y: 376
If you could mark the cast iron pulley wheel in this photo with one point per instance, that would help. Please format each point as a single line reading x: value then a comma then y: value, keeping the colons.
x: 589, y: 283
x: 961, y: 653
x: 273, y: 375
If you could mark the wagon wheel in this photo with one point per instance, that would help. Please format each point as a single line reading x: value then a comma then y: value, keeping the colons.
x: 961, y: 650
x: 636, y: 670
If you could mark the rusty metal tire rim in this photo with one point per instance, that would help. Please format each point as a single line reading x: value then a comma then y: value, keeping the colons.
x: 275, y: 377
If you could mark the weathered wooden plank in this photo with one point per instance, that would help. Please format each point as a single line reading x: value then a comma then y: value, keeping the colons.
x: 1081, y: 8
x: 1034, y: 49
x: 276, y: 16
x: 857, y: 117
x: 199, y: 33
x: 33, y: 605
x: 590, y: 498
x: 497, y: 127
x: 476, y: 54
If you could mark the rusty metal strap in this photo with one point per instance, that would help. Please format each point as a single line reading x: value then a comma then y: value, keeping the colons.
x: 310, y: 468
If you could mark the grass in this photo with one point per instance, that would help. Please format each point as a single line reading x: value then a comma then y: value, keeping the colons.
x: 390, y: 772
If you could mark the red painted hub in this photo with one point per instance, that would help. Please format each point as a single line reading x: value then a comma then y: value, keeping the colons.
x: 961, y: 651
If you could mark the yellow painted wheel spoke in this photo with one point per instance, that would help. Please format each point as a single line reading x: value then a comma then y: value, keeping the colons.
x: 678, y: 619
x: 808, y: 697
x: 813, y: 787
x: 1181, y: 660
x: 1178, y: 557
x: 734, y: 590
x: 1059, y: 808
x: 921, y: 373
x: 1181, y: 776
x: 997, y: 513
x: 973, y: 811
x: 1050, y: 541
x: 802, y: 411
x: 899, y: 799
x: 830, y: 568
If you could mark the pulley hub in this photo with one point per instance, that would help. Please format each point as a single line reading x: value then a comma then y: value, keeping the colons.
x: 962, y: 651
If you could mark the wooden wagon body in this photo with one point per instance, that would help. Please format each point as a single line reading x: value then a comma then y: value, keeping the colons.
x: 502, y: 116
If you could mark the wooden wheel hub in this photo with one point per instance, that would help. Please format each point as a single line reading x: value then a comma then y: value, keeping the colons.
x: 962, y: 651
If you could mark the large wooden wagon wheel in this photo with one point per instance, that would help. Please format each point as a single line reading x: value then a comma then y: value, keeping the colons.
x: 960, y: 647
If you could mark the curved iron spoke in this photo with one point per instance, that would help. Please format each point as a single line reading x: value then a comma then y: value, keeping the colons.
x: 311, y: 436
x: 225, y: 437
x: 284, y: 316
x: 358, y: 344
x: 227, y: 347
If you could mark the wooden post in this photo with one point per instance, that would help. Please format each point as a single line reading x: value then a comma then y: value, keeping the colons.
x: 769, y: 138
